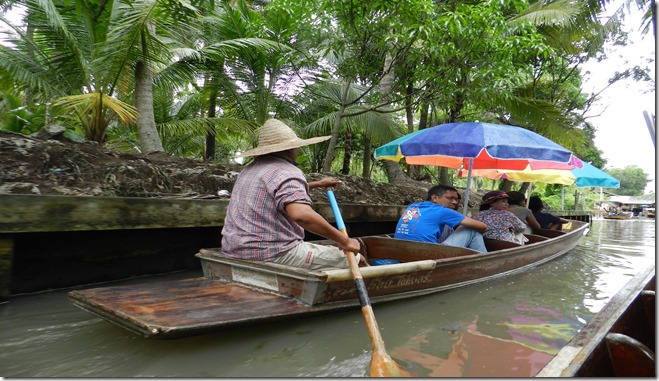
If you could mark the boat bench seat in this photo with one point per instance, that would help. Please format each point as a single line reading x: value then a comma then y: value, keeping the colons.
x: 549, y: 233
x: 533, y: 238
x: 495, y: 244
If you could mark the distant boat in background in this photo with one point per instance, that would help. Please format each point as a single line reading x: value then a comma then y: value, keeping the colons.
x: 619, y: 216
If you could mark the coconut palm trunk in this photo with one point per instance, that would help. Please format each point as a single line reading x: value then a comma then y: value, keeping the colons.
x: 394, y: 173
x: 149, y: 139
x: 329, y: 156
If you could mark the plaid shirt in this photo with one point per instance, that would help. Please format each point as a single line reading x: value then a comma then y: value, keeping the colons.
x: 256, y: 226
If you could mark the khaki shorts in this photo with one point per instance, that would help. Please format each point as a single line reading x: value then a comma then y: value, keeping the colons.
x: 314, y: 257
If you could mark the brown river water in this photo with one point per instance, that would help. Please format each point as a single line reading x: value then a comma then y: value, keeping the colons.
x: 509, y: 327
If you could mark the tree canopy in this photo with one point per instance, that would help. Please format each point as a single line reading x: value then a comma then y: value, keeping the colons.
x: 197, y: 78
x: 633, y: 180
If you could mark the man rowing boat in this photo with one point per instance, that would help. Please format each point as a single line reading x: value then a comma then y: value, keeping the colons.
x: 270, y: 208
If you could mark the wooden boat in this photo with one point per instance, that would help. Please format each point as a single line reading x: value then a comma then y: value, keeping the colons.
x: 237, y: 292
x: 619, y: 341
x: 618, y: 216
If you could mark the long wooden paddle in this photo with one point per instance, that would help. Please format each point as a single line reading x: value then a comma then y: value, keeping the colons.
x: 382, y: 365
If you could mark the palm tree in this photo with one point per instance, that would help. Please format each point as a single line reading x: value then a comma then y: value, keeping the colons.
x: 343, y: 105
x: 78, y: 58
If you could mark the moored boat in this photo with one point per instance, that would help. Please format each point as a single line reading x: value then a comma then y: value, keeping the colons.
x: 237, y: 292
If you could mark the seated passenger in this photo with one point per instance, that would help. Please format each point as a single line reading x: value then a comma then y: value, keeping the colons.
x: 546, y: 220
x: 425, y: 221
x: 517, y: 206
x: 501, y: 224
x: 455, y: 205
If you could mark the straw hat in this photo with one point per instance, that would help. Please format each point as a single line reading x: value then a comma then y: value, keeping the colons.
x: 492, y: 196
x: 276, y: 136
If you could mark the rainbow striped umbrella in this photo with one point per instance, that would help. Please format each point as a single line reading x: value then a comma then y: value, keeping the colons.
x: 587, y: 176
x: 477, y: 145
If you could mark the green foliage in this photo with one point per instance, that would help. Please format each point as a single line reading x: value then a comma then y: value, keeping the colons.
x: 16, y: 117
x: 632, y: 180
x: 221, y: 69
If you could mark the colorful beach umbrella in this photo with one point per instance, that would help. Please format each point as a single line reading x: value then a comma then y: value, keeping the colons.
x: 477, y: 145
x: 590, y: 176
x: 490, y: 146
x: 587, y: 176
x: 549, y: 176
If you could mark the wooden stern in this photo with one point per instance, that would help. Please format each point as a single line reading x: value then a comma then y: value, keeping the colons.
x: 169, y: 309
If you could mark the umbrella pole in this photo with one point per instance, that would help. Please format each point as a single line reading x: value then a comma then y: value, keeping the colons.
x: 466, y: 203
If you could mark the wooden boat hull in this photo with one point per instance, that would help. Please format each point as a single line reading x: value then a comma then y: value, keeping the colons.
x: 618, y: 216
x: 234, y: 292
x: 620, y: 341
x: 432, y: 268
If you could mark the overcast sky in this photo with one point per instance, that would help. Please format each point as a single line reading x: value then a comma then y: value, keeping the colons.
x: 622, y: 133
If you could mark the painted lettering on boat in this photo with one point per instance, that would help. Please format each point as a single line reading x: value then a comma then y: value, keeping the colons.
x: 401, y: 281
x: 374, y: 284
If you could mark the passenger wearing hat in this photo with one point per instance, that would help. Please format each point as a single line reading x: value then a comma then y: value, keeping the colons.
x: 428, y: 221
x: 270, y: 208
x: 501, y: 224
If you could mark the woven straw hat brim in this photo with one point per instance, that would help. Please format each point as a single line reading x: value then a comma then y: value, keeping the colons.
x: 295, y: 143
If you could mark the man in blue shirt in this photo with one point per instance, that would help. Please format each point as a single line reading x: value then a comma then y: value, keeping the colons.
x: 426, y: 221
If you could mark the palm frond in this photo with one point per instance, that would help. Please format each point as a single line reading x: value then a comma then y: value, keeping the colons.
x: 189, y: 135
x: 560, y: 12
x: 89, y: 103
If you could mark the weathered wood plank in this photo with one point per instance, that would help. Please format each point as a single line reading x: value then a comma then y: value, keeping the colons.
x: 33, y: 213
x: 6, y: 257
x: 170, y: 309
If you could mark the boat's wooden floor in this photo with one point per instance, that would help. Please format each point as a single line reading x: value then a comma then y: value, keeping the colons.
x: 168, y: 309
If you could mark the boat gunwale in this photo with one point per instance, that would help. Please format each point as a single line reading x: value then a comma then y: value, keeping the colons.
x: 333, y: 275
x: 576, y: 354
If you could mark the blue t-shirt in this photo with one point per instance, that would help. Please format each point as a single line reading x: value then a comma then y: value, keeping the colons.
x: 424, y: 221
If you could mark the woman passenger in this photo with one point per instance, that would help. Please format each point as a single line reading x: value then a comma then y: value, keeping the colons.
x: 501, y: 224
x: 546, y: 220
x: 517, y: 206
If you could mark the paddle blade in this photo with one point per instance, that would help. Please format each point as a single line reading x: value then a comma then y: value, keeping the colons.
x: 382, y: 365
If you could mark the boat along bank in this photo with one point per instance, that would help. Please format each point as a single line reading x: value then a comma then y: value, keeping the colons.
x: 238, y: 292
x: 50, y: 242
